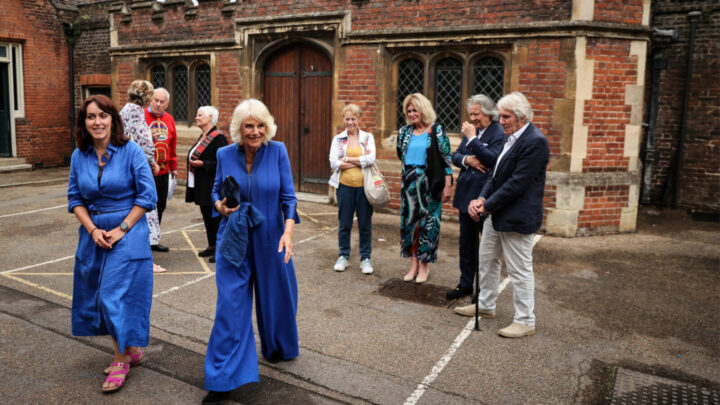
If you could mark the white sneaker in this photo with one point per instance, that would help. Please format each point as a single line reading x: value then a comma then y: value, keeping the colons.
x: 341, y: 263
x: 366, y: 266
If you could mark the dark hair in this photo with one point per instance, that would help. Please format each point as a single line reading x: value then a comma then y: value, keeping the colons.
x: 83, y: 140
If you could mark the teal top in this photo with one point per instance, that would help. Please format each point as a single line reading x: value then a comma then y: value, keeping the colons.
x: 417, y: 150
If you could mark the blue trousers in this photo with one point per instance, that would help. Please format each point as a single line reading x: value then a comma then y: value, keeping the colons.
x: 351, y: 201
x: 469, y: 249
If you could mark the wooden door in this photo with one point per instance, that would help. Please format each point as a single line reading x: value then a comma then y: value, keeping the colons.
x: 297, y: 88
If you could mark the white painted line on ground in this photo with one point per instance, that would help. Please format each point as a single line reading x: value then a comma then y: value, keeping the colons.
x: 445, y: 359
x: 37, y: 265
x: 317, y: 236
x: 33, y: 211
x: 197, y: 280
x: 181, y: 229
x: 440, y: 365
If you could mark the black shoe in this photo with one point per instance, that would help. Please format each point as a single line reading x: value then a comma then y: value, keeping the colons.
x: 160, y: 248
x: 215, y: 397
x: 207, y: 252
x: 458, y: 292
x: 211, y: 259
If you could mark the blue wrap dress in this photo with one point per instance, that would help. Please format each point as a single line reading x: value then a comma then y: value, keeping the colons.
x: 231, y: 359
x: 112, y: 288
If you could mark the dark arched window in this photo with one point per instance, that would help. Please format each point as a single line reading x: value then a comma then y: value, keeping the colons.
x: 180, y: 93
x: 411, y: 75
x: 488, y: 77
x: 157, y: 76
x: 202, y: 85
x: 448, y: 93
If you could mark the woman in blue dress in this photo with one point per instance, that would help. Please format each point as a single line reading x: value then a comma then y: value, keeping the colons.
x: 109, y: 190
x: 261, y: 168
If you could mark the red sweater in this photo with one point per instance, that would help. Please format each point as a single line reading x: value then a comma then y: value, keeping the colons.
x: 165, y: 137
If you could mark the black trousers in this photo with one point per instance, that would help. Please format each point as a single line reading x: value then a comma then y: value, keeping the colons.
x: 211, y: 224
x: 161, y: 186
x: 469, y: 244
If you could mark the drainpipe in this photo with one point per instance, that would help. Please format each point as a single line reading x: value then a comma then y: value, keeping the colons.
x: 693, y: 16
x: 70, y: 37
x: 661, y: 39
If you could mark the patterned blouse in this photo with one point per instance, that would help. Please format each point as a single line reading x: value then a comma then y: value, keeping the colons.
x: 136, y: 128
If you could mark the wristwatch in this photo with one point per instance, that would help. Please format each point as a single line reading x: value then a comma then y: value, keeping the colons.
x: 124, y: 226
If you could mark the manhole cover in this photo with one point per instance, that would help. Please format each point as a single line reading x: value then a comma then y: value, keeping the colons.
x: 424, y: 293
x: 634, y: 387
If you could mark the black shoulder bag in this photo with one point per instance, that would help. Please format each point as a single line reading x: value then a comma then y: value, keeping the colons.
x: 435, y: 168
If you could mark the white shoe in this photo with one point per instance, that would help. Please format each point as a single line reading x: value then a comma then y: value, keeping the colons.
x: 516, y: 330
x: 366, y: 266
x: 341, y: 263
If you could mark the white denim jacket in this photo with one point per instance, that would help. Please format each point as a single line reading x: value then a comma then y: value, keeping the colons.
x: 338, y: 148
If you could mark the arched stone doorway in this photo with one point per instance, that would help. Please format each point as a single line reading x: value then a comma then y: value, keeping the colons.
x: 297, y: 88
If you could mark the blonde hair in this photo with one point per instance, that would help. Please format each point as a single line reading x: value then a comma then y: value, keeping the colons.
x: 140, y: 92
x: 252, y: 109
x: 211, y: 112
x: 354, y: 109
x: 423, y: 105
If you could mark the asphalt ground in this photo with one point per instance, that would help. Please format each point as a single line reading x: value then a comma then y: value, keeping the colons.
x: 647, y: 301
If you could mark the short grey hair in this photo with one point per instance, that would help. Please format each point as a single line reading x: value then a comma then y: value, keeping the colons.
x: 211, y: 112
x: 487, y: 105
x: 252, y: 109
x: 164, y: 90
x: 518, y: 104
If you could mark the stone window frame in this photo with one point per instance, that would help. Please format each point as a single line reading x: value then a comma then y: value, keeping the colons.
x: 430, y: 58
x: 191, y: 66
x: 14, y: 59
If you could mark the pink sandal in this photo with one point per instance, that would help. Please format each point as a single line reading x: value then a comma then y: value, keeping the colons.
x: 118, y: 381
x: 136, y: 359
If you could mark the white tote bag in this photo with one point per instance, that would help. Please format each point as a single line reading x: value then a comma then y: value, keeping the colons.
x: 376, y: 189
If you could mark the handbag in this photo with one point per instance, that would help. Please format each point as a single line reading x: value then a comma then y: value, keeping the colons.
x: 375, y: 186
x: 231, y: 190
x: 435, y: 166
x: 172, y: 183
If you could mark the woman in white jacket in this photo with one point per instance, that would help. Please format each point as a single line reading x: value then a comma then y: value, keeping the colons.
x: 351, y: 150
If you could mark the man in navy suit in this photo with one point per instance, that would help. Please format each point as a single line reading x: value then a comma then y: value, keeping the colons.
x: 475, y: 156
x: 512, y: 199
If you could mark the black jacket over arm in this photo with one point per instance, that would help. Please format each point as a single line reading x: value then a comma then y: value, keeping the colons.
x: 205, y: 175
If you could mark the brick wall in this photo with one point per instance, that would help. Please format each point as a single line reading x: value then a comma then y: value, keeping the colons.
x: 699, y: 187
x: 43, y: 137
x: 91, y: 49
x: 601, y: 213
x: 621, y: 11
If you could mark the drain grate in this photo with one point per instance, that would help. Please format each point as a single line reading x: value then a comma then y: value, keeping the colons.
x: 634, y: 387
x: 424, y: 293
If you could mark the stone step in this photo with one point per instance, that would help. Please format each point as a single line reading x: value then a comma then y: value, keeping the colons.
x: 9, y: 165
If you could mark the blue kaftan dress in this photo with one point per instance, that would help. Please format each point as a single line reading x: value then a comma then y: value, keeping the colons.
x: 231, y: 359
x: 112, y: 288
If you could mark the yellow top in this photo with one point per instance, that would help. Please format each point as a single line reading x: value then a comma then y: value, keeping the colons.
x: 352, y: 177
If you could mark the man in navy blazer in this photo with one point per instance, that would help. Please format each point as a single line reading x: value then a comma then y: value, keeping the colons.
x: 475, y: 156
x: 512, y: 199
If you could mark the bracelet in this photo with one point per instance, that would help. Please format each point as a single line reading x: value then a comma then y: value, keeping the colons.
x: 91, y: 232
x: 345, y: 159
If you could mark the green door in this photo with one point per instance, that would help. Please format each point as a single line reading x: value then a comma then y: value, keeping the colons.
x: 5, y: 135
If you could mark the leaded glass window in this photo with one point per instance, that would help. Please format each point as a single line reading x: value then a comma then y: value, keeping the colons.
x: 202, y: 85
x: 180, y: 93
x: 157, y: 76
x: 488, y: 77
x: 411, y: 74
x: 448, y: 93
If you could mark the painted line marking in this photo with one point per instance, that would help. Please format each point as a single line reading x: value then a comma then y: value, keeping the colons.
x: 195, y: 253
x: 445, y: 359
x: 307, y: 216
x: 197, y: 280
x: 308, y: 239
x: 37, y: 265
x: 34, y: 211
x: 38, y: 286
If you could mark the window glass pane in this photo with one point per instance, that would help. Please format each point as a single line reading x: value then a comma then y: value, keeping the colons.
x: 202, y: 85
x: 3, y: 51
x: 157, y: 76
x: 448, y: 93
x: 16, y: 78
x: 180, y: 93
x: 489, y: 77
x: 411, y: 75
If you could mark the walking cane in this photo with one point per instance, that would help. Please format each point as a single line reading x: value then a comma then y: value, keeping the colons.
x: 477, y: 290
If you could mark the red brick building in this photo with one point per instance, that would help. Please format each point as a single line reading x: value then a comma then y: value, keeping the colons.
x: 582, y: 64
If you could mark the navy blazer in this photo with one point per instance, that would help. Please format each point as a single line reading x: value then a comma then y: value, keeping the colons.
x: 514, y: 195
x: 470, y: 181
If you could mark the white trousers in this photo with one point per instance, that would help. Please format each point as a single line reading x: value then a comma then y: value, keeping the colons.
x: 517, y: 250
